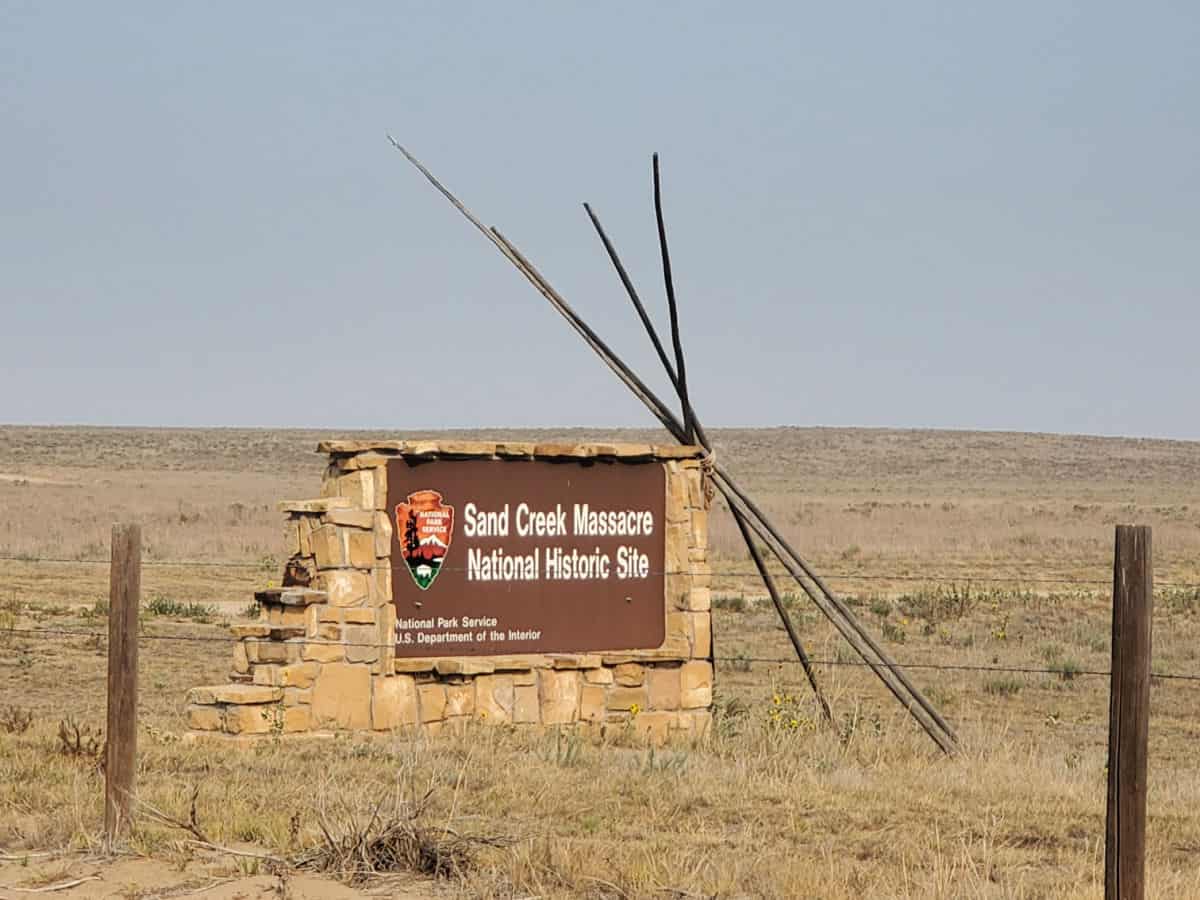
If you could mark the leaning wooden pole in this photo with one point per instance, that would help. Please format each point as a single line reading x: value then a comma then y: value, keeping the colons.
x: 884, y: 667
x: 672, y: 308
x: 738, y: 517
x: 1129, y: 715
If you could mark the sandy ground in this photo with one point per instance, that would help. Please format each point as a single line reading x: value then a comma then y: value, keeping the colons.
x: 136, y: 878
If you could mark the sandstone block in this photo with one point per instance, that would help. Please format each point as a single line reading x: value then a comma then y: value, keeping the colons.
x: 351, y: 518
x: 699, y: 599
x: 696, y: 495
x: 394, y: 702
x: 676, y: 588
x: 561, y: 451
x: 699, y: 534
x: 598, y: 676
x: 520, y: 661
x: 321, y: 505
x: 701, y: 634
x: 413, y: 664
x: 591, y: 703
x: 299, y: 675
x: 683, y: 452
x: 664, y: 686
x: 382, y: 533
x: 560, y: 696
x: 256, y: 719
x: 381, y: 488
x: 629, y: 674
x: 241, y: 664
x: 251, y: 631
x: 297, y: 696
x: 696, y: 679
x: 464, y: 665
x: 296, y: 718
x: 304, y: 528
x: 268, y: 652
x: 312, y: 620
x: 381, y: 584
x: 234, y: 694
x: 292, y: 617
x: 677, y: 495
x: 385, y: 629
x: 361, y: 643
x: 697, y: 555
x: 324, y: 653
x: 494, y: 697
x: 329, y: 547
x: 331, y: 614
x: 460, y: 699
x: 268, y: 675
x: 368, y: 460
x: 678, y: 543
x: 358, y: 487
x: 526, y: 677
x: 575, y: 661
x: 628, y: 699
x: 346, y: 587
x: 359, y: 616
x: 342, y: 697
x: 433, y: 701
x: 293, y: 595
x: 526, y: 709
x: 362, y: 549
x: 678, y: 641
x: 632, y: 451
x: 515, y: 449
x: 205, y: 718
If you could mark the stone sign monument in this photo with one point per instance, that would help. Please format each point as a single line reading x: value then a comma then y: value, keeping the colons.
x: 436, y: 583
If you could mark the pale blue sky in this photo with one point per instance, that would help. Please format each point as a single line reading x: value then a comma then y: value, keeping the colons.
x: 914, y: 214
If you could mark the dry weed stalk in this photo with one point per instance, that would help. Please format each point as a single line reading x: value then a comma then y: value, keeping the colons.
x: 80, y: 741
x: 15, y: 719
x: 356, y: 848
x: 192, y: 826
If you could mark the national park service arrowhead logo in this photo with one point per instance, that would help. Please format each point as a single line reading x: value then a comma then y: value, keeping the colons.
x: 425, y: 526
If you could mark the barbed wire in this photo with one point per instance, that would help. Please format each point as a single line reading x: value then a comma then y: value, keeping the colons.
x: 735, y: 573
x: 913, y: 666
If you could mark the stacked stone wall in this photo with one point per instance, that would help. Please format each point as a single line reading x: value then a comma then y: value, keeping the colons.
x: 321, y: 658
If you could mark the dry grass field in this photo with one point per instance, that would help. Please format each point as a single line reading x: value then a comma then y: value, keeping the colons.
x: 975, y: 549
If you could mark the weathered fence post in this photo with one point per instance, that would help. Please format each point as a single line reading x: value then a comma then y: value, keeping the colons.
x: 120, y: 758
x: 1129, y: 715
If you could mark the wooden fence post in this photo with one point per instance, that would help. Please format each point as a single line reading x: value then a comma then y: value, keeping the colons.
x: 120, y: 758
x: 1129, y: 715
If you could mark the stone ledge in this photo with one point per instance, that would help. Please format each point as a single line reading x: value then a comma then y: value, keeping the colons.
x: 485, y: 665
x: 291, y: 596
x: 322, y: 505
x: 234, y: 694
x: 502, y: 450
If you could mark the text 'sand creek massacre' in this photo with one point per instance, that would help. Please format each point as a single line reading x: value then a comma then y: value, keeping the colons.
x: 493, y: 557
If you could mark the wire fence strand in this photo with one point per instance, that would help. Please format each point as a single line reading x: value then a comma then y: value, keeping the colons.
x: 1021, y: 578
x: 740, y: 659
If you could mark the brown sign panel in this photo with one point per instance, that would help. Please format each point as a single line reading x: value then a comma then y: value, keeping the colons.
x: 497, y: 557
